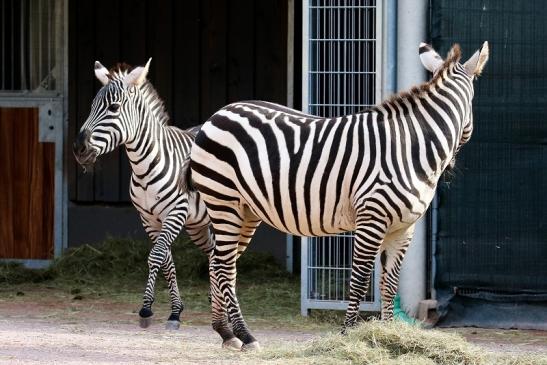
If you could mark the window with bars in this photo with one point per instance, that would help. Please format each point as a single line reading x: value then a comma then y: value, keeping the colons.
x: 30, y: 45
x: 341, y: 72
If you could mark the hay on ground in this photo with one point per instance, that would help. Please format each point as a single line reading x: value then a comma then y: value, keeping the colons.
x: 377, y: 342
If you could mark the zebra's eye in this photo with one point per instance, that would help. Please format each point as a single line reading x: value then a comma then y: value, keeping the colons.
x: 113, y: 108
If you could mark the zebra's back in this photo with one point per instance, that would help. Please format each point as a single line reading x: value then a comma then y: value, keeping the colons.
x: 292, y: 169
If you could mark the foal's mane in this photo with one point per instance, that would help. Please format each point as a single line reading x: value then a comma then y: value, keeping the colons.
x: 453, y: 57
x: 120, y: 70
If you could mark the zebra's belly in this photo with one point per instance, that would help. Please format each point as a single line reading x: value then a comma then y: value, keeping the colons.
x: 294, y: 216
x: 152, y: 206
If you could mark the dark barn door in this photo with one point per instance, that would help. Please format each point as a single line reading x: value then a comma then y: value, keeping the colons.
x: 27, y: 187
x: 492, y: 237
x: 205, y: 54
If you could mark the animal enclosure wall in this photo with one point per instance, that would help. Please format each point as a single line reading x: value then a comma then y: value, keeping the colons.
x: 492, y: 236
x: 205, y: 54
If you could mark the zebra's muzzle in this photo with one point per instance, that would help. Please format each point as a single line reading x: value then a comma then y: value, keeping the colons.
x: 84, y: 153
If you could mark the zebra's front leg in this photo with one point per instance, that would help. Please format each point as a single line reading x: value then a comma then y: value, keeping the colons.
x: 145, y: 314
x: 160, y: 258
x: 368, y: 238
x: 394, y: 248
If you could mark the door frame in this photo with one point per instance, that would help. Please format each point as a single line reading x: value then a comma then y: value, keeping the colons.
x: 51, y: 127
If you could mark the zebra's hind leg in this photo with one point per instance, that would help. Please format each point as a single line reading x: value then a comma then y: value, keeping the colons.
x: 394, y: 249
x: 231, y: 225
x: 170, y: 274
x: 220, y: 320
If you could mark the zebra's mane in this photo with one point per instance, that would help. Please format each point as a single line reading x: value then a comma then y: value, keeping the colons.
x: 120, y: 70
x: 453, y: 57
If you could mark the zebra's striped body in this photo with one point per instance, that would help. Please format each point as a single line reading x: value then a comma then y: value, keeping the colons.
x: 373, y: 172
x: 127, y: 110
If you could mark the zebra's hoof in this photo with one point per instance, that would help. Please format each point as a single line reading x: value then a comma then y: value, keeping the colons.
x: 253, y: 346
x: 233, y: 344
x: 145, y: 322
x: 172, y: 325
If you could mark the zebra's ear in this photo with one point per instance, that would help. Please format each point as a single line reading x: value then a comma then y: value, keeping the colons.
x: 475, y: 63
x: 101, y: 73
x: 137, y: 76
x: 430, y: 59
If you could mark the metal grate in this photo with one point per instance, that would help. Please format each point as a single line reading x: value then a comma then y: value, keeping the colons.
x: 342, y: 56
x: 340, y: 78
x: 29, y: 41
x: 329, y: 268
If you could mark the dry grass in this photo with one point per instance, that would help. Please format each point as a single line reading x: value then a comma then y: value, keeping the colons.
x: 378, y: 342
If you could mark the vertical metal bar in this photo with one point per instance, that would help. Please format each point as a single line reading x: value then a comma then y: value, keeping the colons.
x: 339, y: 110
x: 304, y: 285
x: 353, y: 59
x: 325, y: 62
x: 317, y: 46
x: 2, y: 28
x: 344, y: 57
x: 322, y: 240
x: 39, y: 34
x: 12, y: 45
x: 23, y: 47
x: 344, y: 271
x: 50, y: 41
x: 290, y: 65
x: 328, y: 62
x: 305, y: 56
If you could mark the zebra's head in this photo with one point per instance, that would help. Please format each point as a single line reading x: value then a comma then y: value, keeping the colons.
x: 114, y: 114
x: 461, y: 75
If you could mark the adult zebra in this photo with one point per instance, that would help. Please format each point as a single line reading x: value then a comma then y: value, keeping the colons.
x: 374, y: 172
x: 127, y: 110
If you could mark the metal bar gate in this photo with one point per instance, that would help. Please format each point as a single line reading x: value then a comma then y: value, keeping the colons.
x: 341, y: 75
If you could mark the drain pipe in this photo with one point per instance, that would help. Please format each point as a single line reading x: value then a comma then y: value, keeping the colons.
x: 390, y: 50
x: 390, y: 87
x: 411, y: 30
x: 434, y: 238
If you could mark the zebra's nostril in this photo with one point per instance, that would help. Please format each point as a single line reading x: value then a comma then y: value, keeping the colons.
x: 81, y: 144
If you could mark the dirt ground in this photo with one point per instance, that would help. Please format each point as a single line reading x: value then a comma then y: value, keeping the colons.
x: 52, y: 331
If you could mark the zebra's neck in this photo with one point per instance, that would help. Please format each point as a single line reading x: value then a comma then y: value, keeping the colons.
x: 147, y: 147
x: 431, y: 117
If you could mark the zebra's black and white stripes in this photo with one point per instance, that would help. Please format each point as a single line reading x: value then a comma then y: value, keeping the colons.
x: 374, y: 172
x: 127, y: 110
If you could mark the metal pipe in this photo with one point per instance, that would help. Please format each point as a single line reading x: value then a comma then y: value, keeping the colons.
x: 391, y: 48
x: 411, y: 30
x: 434, y: 237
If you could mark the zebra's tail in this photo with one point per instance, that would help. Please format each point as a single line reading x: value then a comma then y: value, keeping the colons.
x: 185, y: 177
x: 193, y: 131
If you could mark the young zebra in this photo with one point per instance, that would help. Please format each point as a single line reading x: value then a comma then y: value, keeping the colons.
x: 128, y: 111
x: 374, y: 173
